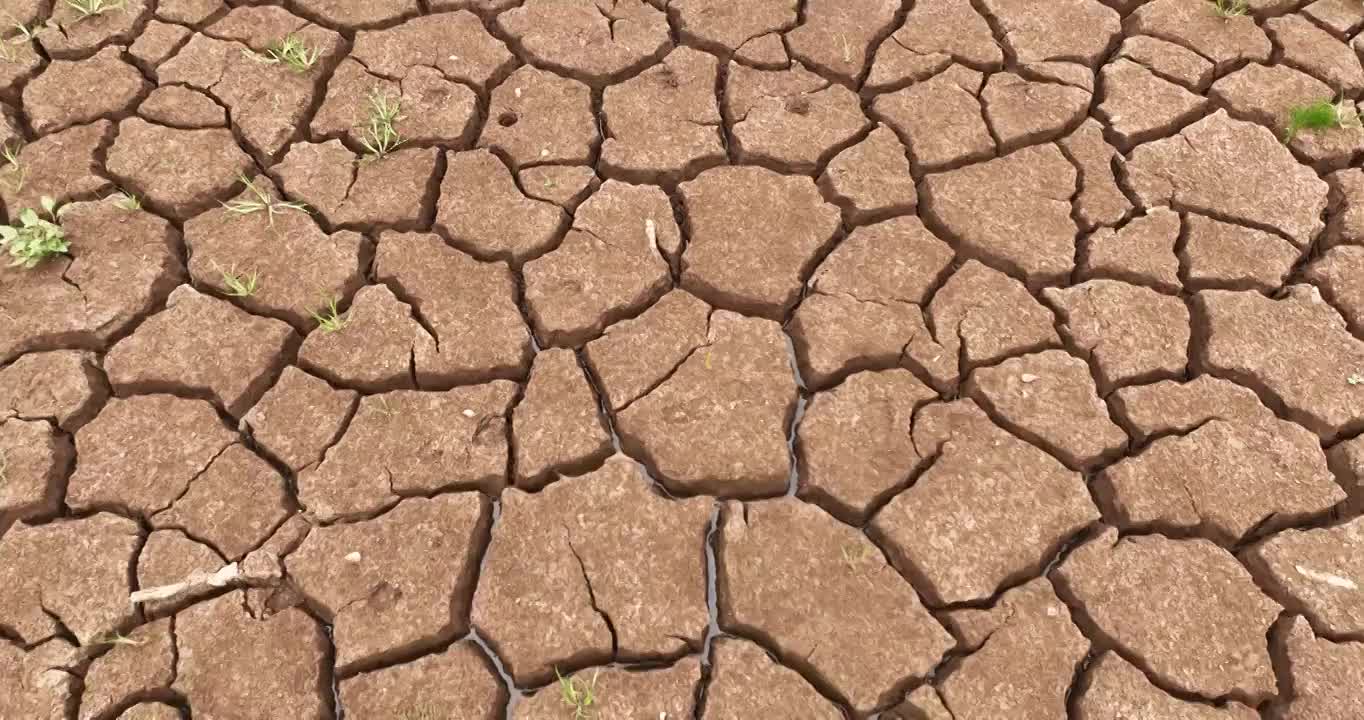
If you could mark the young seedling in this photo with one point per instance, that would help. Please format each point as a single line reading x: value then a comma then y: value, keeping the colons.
x: 91, y: 8
x: 290, y: 52
x: 380, y: 137
x: 261, y: 202
x: 1320, y: 115
x: 128, y: 201
x: 241, y: 285
x: 330, y: 319
x: 1230, y: 8
x: 117, y: 638
x: 4, y: 468
x: 23, y: 35
x: 13, y: 172
x: 35, y: 239
x: 578, y: 696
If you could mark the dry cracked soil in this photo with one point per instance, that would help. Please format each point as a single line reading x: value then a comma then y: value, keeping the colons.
x: 683, y: 360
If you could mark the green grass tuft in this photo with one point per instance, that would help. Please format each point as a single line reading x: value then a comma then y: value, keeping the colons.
x: 13, y: 173
x: 1230, y: 8
x: 330, y: 319
x: 128, y: 201
x: 290, y: 52
x: 241, y: 285
x: 35, y: 238
x: 91, y: 8
x: 261, y: 202
x: 380, y: 137
x: 578, y: 695
x: 1320, y: 115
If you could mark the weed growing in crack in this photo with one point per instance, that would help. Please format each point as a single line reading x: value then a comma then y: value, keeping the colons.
x: 91, y: 8
x: 35, y: 239
x: 4, y: 468
x: 380, y: 137
x: 577, y: 695
x: 262, y: 202
x: 23, y: 35
x: 240, y: 285
x: 330, y: 319
x: 128, y: 201
x: 117, y: 638
x: 290, y: 52
x: 1230, y: 8
x: 14, y: 172
x: 1320, y: 115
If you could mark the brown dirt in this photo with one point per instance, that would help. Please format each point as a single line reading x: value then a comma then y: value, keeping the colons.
x: 845, y: 359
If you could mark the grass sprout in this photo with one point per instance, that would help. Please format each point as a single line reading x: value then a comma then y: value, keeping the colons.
x: 240, y: 285
x: 4, y: 468
x: 380, y: 137
x: 91, y: 8
x: 330, y: 319
x: 1320, y: 115
x: 128, y: 201
x: 261, y: 202
x: 578, y: 695
x: 14, y: 172
x: 35, y: 238
x: 290, y: 51
x: 117, y: 638
x: 1230, y: 8
x: 23, y: 35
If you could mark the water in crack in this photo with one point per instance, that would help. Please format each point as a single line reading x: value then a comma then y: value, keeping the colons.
x: 793, y: 482
x: 514, y: 694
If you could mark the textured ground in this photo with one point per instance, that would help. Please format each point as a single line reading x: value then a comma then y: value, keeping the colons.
x: 945, y: 359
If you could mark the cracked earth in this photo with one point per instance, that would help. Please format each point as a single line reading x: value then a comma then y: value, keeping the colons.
x: 860, y: 359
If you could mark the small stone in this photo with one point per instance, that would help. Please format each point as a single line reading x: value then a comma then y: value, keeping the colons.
x: 1117, y: 689
x: 854, y: 443
x: 1325, y: 675
x: 562, y: 585
x: 754, y: 237
x: 1318, y: 573
x: 746, y: 682
x: 793, y: 574
x: 299, y: 418
x: 231, y: 664
x: 1014, y: 211
x: 483, y: 213
x: 406, y: 443
x: 458, y: 682
x: 871, y: 179
x: 1142, y: 252
x: 1059, y: 409
x: 556, y: 425
x: 990, y: 509
x: 67, y: 576
x: 718, y: 424
x: 200, y: 344
x: 413, y: 593
x: 1185, y: 609
x: 126, y: 461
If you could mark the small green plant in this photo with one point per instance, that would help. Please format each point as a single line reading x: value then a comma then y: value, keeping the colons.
x: 91, y: 8
x: 1230, y: 8
x: 1320, y: 115
x: 14, y: 172
x: 578, y: 695
x: 380, y: 137
x: 241, y: 285
x: 290, y: 52
x: 35, y: 239
x: 128, y: 201
x: 330, y: 319
x: 23, y: 35
x: 261, y: 202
